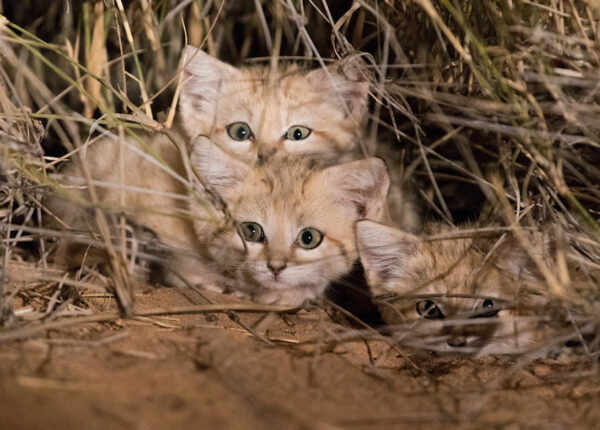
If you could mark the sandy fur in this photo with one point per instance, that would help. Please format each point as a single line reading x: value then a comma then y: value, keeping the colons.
x: 402, y: 263
x: 329, y: 102
x: 284, y: 196
x: 267, y: 179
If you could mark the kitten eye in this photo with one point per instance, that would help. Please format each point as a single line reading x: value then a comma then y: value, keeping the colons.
x: 309, y: 238
x: 488, y: 309
x: 428, y: 309
x: 297, y: 132
x: 252, y: 232
x: 239, y: 131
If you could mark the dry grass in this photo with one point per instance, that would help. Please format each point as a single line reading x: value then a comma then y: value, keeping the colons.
x: 493, y: 107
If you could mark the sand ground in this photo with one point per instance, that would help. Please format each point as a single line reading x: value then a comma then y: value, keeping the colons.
x: 206, y: 371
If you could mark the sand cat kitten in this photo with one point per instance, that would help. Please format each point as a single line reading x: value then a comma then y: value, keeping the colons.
x: 256, y: 112
x: 296, y: 219
x: 449, y: 295
x: 296, y: 216
x: 249, y: 111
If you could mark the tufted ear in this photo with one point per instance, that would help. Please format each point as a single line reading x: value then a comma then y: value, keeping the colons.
x: 383, y: 249
x: 362, y: 184
x: 218, y: 168
x: 347, y: 90
x: 203, y: 79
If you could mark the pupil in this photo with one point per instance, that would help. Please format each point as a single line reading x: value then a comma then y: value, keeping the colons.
x: 307, y: 237
x: 297, y: 134
x: 487, y: 303
x: 251, y: 229
x: 241, y: 132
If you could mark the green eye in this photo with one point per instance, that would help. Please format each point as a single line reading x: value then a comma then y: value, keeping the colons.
x: 297, y: 132
x: 428, y: 309
x: 309, y: 238
x: 252, y: 232
x: 239, y: 131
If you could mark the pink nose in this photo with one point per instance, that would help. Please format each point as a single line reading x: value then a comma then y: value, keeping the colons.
x: 276, y: 266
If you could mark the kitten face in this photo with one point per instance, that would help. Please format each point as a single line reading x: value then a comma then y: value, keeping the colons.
x: 255, y: 113
x: 454, y: 298
x: 297, y: 219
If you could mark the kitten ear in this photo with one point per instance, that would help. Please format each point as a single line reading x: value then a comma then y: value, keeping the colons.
x: 348, y: 90
x: 203, y: 77
x: 383, y: 250
x: 219, y: 169
x: 518, y: 262
x: 363, y: 184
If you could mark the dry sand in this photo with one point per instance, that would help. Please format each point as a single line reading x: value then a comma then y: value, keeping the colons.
x: 206, y: 371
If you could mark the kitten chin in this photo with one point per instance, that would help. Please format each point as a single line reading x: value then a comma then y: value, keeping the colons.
x: 291, y: 297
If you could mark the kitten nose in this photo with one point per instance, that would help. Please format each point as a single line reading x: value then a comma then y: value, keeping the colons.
x: 276, y: 266
x: 264, y: 154
x: 457, y: 341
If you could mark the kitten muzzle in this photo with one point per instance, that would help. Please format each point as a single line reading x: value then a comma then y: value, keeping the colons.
x: 276, y: 266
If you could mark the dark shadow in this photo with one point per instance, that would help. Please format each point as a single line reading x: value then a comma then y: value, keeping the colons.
x: 352, y: 293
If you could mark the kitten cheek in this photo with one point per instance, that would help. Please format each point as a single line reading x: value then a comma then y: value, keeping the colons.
x: 235, y: 146
x: 506, y: 313
x: 310, y: 145
x: 310, y: 255
x: 324, y: 254
x: 255, y: 249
